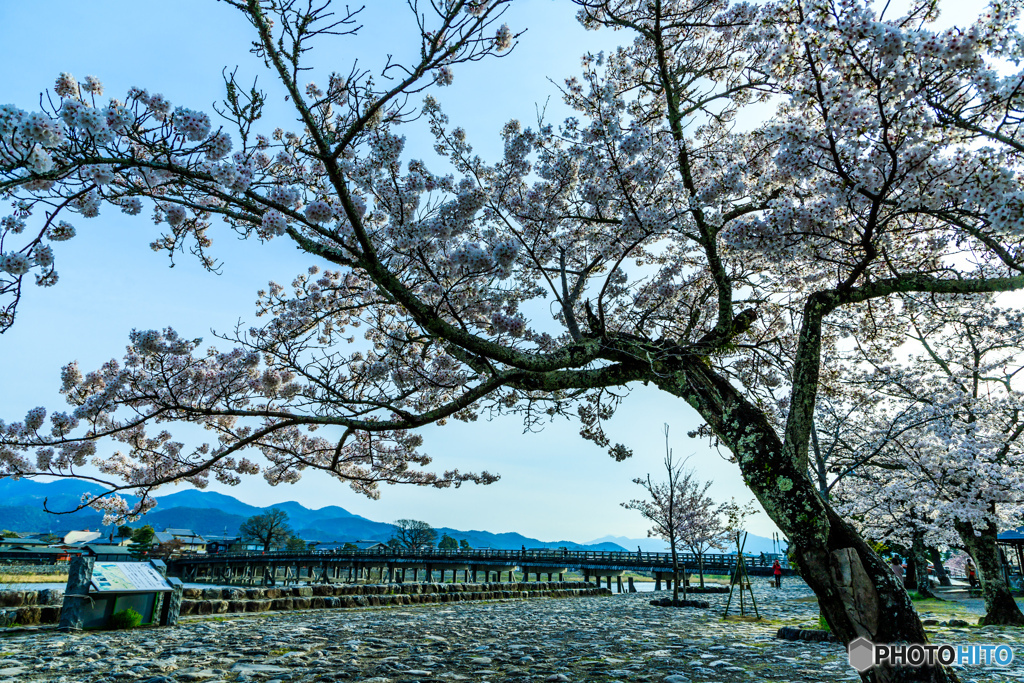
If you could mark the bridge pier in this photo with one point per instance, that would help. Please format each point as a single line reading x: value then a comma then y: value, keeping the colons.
x: 550, y: 570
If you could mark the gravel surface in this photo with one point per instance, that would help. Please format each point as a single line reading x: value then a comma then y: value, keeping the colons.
x: 600, y: 639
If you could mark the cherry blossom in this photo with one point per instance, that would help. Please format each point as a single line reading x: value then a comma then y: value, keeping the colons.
x: 671, y: 246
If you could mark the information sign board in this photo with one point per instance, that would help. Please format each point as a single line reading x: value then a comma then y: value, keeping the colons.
x: 127, y: 577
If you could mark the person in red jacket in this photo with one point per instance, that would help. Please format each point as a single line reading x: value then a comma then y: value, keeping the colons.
x: 777, y: 572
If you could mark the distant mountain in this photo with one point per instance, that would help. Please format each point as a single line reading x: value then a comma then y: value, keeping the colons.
x: 648, y: 545
x: 350, y: 528
x: 301, y: 517
x: 514, y: 541
x: 204, y: 500
x: 34, y: 518
x: 60, y: 495
x: 212, y: 513
x: 203, y: 521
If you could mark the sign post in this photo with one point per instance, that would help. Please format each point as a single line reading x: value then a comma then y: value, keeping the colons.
x: 96, y: 590
x: 76, y: 594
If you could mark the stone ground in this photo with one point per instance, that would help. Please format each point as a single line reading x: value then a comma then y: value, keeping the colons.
x: 604, y: 639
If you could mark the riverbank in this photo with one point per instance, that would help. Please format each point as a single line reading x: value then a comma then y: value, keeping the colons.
x: 583, y: 640
x: 17, y: 580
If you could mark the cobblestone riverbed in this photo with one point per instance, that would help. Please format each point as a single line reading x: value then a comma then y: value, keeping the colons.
x: 600, y: 639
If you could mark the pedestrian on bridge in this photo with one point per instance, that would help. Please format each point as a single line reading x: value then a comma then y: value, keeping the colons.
x: 777, y: 572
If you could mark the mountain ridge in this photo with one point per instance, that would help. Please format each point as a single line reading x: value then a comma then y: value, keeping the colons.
x: 214, y: 513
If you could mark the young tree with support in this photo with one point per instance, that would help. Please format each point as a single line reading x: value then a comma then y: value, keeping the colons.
x: 672, y: 247
x: 741, y: 579
x: 707, y: 526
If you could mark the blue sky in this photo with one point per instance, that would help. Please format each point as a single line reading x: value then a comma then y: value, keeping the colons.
x: 554, y: 485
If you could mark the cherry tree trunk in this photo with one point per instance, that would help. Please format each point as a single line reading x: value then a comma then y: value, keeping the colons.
x: 1000, y: 607
x: 917, y: 553
x: 910, y: 580
x: 940, y: 569
x: 858, y: 595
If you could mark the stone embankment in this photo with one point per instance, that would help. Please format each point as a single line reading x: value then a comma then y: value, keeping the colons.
x: 30, y: 608
x: 233, y: 600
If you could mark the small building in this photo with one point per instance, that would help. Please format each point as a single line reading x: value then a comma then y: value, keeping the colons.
x: 104, y: 552
x: 230, y: 544
x: 22, y: 543
x: 190, y: 542
x: 33, y: 554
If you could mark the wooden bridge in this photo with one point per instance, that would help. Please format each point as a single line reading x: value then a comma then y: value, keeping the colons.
x: 391, y: 565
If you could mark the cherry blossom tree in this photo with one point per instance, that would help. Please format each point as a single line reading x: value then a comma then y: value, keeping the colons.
x: 667, y: 507
x: 938, y: 444
x: 672, y: 247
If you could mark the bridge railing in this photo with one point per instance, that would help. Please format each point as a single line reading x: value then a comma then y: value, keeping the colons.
x: 553, y: 557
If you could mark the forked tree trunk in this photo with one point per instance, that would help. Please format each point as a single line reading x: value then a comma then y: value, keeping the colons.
x: 859, y: 596
x: 1000, y: 607
x: 940, y: 569
x: 700, y: 567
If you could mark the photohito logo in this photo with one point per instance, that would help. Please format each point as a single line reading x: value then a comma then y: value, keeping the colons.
x: 864, y: 654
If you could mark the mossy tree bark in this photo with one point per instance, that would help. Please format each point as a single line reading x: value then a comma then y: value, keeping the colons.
x: 858, y: 595
x: 1000, y: 607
